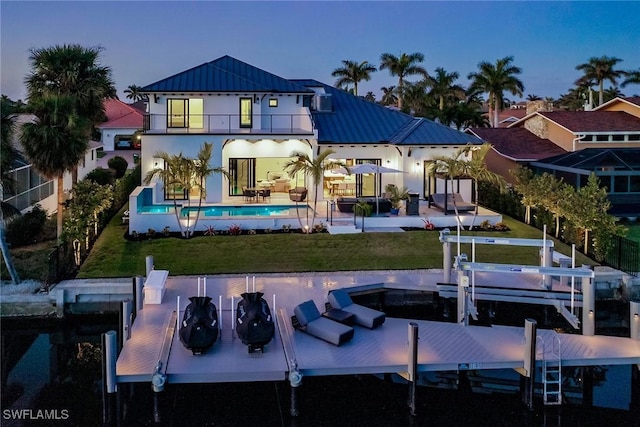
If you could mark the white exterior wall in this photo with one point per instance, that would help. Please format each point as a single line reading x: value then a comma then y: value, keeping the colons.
x: 225, y: 109
x: 189, y: 146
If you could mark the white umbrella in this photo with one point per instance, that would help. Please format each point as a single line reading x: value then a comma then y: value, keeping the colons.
x: 367, y: 168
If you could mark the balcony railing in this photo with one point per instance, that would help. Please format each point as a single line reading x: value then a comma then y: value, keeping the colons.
x: 287, y: 124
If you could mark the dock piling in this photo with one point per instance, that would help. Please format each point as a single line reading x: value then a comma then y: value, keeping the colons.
x: 588, y: 306
x: 413, y: 365
x: 529, y: 368
x: 295, y: 380
x: 138, y: 301
x: 148, y: 264
x: 109, y: 384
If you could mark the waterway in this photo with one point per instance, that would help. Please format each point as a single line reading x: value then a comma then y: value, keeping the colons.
x: 51, y: 376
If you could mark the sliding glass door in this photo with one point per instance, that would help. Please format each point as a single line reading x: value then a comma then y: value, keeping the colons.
x: 242, y: 173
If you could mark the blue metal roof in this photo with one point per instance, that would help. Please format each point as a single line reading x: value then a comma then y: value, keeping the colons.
x: 225, y: 74
x: 354, y: 119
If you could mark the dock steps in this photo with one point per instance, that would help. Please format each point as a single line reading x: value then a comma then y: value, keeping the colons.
x: 551, y: 370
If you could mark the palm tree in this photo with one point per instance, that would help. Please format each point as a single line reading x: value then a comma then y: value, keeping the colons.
x: 133, y: 93
x: 597, y: 70
x: 313, y: 168
x: 494, y: 79
x: 611, y: 93
x: 9, y: 154
x: 370, y: 96
x: 416, y: 101
x: 532, y: 97
x: 353, y: 72
x: 633, y: 77
x: 389, y: 95
x: 72, y: 71
x: 56, y: 141
x: 201, y: 171
x: 403, y: 66
x: 176, y: 172
x: 476, y: 168
x: 443, y: 87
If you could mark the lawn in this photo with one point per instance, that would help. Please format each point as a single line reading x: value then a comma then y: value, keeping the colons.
x: 113, y: 256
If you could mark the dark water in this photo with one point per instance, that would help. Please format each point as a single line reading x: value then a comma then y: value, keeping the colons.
x: 52, y: 369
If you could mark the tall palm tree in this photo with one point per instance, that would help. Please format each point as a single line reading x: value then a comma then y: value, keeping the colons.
x: 56, y: 141
x: 313, y: 168
x: 632, y: 77
x: 8, y: 155
x: 495, y: 79
x: 416, y: 100
x: 598, y: 70
x: 403, y: 66
x: 72, y: 71
x: 389, y: 95
x: 443, y: 87
x: 176, y: 172
x: 201, y: 171
x: 353, y: 72
x: 134, y: 94
x: 533, y: 97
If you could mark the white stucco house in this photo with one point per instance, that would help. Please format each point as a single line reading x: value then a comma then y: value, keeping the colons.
x: 118, y: 132
x: 256, y: 120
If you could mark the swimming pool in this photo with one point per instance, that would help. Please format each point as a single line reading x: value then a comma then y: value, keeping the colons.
x: 225, y: 211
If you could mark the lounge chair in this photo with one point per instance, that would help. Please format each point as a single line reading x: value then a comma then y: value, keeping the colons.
x: 363, y: 316
x: 447, y: 204
x: 308, y: 319
x: 298, y: 194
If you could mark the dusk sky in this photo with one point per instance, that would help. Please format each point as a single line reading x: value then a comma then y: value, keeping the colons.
x: 146, y: 41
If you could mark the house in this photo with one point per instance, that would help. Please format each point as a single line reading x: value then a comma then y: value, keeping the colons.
x: 122, y: 127
x: 604, y: 141
x: 31, y: 187
x: 256, y: 120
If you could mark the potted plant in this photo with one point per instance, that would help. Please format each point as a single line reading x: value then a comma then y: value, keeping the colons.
x: 396, y: 196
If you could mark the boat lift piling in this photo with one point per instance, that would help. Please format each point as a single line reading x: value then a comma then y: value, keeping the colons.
x: 528, y: 371
x: 109, y: 380
x: 634, y: 321
x: 412, y: 366
x: 138, y: 290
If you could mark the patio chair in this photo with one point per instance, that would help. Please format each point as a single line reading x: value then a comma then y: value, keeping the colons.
x: 265, y: 194
x: 249, y: 195
x: 363, y: 316
x: 308, y: 319
x: 298, y: 194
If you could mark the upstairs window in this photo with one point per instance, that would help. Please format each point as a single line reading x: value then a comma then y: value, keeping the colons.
x: 273, y: 102
x: 177, y: 113
x: 246, y: 112
x: 185, y: 113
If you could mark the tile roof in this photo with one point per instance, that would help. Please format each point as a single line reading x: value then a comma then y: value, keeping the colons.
x: 594, y: 121
x: 353, y: 119
x: 121, y: 115
x: 518, y: 143
x: 633, y: 99
x: 592, y: 159
x: 225, y: 74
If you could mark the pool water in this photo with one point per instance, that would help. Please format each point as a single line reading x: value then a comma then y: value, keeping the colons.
x: 223, y: 211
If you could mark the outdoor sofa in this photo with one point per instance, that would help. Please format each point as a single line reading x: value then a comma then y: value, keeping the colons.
x: 447, y: 204
x: 346, y: 204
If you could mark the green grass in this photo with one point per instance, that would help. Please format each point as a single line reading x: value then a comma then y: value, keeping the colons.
x: 113, y: 256
x: 634, y: 232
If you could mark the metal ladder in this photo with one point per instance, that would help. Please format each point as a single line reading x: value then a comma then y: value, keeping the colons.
x: 551, y: 371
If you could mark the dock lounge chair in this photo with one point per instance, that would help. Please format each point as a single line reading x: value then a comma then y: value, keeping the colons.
x: 446, y: 204
x: 363, y: 316
x: 308, y: 319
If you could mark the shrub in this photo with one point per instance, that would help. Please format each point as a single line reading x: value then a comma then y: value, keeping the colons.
x: 100, y: 176
x: 119, y: 165
x: 23, y: 230
x: 235, y: 229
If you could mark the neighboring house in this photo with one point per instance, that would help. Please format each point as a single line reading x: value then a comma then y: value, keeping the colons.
x: 603, y: 141
x: 123, y: 126
x: 514, y: 147
x: 31, y: 187
x: 256, y: 120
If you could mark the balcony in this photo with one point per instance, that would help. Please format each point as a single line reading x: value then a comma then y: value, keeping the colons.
x: 227, y: 124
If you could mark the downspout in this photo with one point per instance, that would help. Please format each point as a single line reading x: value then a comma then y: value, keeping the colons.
x: 575, y: 141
